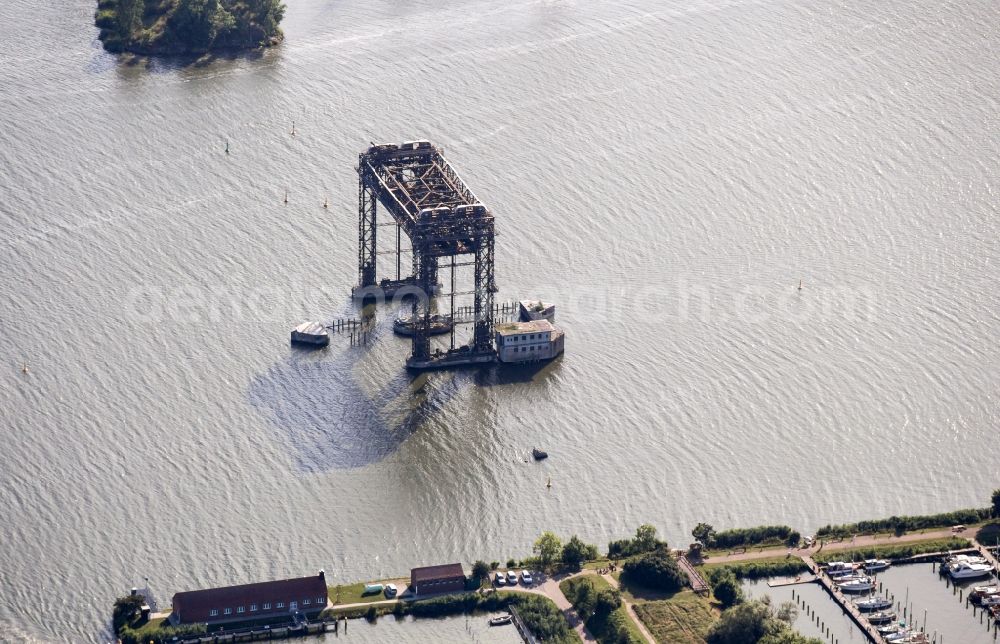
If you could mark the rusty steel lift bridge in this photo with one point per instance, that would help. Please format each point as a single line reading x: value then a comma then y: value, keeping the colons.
x: 440, y: 216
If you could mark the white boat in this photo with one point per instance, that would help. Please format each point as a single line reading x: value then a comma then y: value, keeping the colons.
x: 838, y: 566
x: 312, y: 333
x: 965, y: 570
x: 875, y: 565
x: 500, y: 621
x: 862, y: 585
x: 873, y: 603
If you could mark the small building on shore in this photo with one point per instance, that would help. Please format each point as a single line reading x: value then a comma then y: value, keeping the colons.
x: 437, y: 579
x: 250, y: 601
x: 528, y: 341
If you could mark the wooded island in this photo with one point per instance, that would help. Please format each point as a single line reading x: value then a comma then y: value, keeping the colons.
x: 176, y: 27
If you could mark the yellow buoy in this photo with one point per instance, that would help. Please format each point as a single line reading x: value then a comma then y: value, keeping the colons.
x: 24, y: 368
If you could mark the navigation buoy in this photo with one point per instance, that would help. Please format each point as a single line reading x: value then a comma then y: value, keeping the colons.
x: 800, y: 284
x: 286, y: 196
x: 325, y: 203
x: 549, y: 484
x: 293, y: 128
x: 227, y: 147
x: 24, y: 368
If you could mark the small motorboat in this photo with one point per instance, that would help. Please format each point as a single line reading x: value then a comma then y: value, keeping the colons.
x: 981, y: 592
x: 872, y: 604
x: 500, y: 620
x: 311, y: 333
x: 875, y: 565
x: 539, y: 454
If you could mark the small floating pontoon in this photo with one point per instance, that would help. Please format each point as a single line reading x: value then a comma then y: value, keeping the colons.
x: 311, y: 333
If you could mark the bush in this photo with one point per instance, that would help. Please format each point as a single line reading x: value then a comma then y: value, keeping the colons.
x: 758, y: 569
x: 608, y: 601
x: 372, y: 614
x: 480, y: 570
x: 754, y: 622
x: 909, y: 524
x: 542, y: 618
x: 656, y: 570
x: 511, y: 563
x: 644, y: 541
x: 752, y: 536
x: 575, y: 552
x: 727, y: 590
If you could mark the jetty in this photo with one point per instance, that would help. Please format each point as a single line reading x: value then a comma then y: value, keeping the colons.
x: 870, y: 632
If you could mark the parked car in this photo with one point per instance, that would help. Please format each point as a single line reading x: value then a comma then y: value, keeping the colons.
x: 526, y: 578
x: 390, y: 590
x: 499, y: 579
x: 511, y: 578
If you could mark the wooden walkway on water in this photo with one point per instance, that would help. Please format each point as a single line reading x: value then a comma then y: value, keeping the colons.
x: 698, y: 583
x: 870, y: 632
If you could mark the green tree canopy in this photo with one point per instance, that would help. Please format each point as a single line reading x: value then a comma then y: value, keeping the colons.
x: 656, y: 570
x: 727, y: 590
x: 547, y: 547
x: 996, y: 502
x: 703, y: 532
x: 575, y: 552
x: 480, y: 570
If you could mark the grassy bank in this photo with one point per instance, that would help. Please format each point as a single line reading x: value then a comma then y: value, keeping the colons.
x: 892, y: 551
x: 902, y: 524
x: 685, y: 618
x: 782, y: 566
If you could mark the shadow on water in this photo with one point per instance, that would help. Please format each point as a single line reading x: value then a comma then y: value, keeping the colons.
x: 509, y: 374
x: 328, y: 420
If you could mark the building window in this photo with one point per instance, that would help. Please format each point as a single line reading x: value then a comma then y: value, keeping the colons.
x: 215, y: 612
x: 267, y: 605
x: 228, y: 611
x: 241, y: 609
x: 306, y: 601
x: 321, y: 600
x: 253, y: 607
x: 293, y: 606
x: 280, y: 605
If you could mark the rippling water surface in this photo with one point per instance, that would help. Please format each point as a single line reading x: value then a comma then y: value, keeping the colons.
x: 665, y: 171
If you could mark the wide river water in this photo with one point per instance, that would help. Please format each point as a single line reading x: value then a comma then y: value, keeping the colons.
x: 665, y: 171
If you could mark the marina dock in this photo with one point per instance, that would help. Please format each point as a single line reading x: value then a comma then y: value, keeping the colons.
x: 845, y: 604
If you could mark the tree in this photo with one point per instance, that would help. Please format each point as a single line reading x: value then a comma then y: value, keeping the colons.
x: 996, y: 503
x: 608, y: 601
x: 130, y: 18
x: 656, y: 570
x: 480, y: 570
x: 575, y: 552
x: 744, y: 623
x: 126, y: 608
x: 547, y: 547
x: 645, y: 537
x: 703, y: 532
x: 756, y: 622
x: 585, y: 600
x: 727, y: 590
x: 787, y: 612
